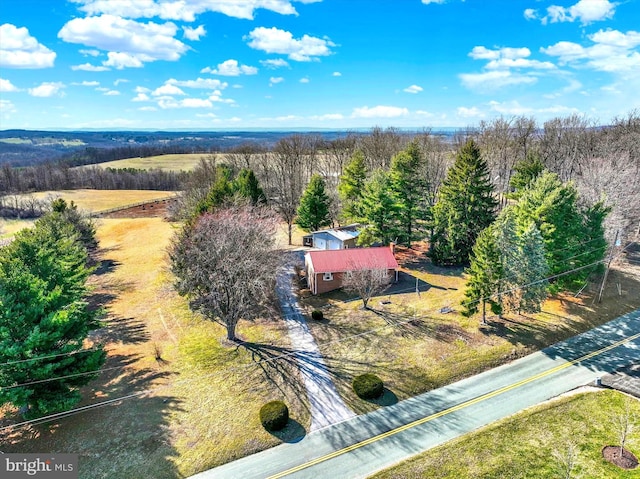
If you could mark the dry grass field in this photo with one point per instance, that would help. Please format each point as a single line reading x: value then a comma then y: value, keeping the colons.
x: 173, y: 162
x: 100, y: 200
x: 195, y: 398
x: 414, y: 347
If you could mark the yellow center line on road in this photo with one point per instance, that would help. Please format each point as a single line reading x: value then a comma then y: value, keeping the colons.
x: 460, y: 406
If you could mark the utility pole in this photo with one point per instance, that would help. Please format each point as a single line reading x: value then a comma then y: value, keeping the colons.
x: 616, y: 243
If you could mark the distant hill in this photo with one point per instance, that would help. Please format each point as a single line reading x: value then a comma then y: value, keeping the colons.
x: 31, y: 147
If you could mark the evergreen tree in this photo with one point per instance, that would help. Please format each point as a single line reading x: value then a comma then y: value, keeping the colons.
x: 246, y: 186
x: 573, y: 237
x: 533, y: 270
x: 313, y: 211
x: 351, y: 185
x: 411, y: 192
x: 43, y: 315
x: 220, y: 191
x: 465, y: 207
x: 83, y: 224
x: 526, y: 171
x: 485, y: 273
x: 378, y: 207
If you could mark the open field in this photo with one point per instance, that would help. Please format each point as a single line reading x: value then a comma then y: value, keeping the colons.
x: 413, y: 347
x: 198, y: 397
x: 100, y: 200
x: 8, y: 228
x: 532, y: 444
x: 174, y: 162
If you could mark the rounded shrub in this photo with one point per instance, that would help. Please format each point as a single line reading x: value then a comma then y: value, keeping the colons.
x: 274, y: 415
x: 368, y: 386
x: 317, y: 314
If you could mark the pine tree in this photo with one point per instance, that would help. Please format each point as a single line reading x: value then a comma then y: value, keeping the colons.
x: 485, y: 273
x: 43, y: 315
x: 526, y: 171
x: 378, y: 207
x: 411, y: 192
x: 573, y: 236
x: 351, y: 185
x: 533, y: 271
x: 246, y: 186
x: 313, y: 211
x: 465, y: 207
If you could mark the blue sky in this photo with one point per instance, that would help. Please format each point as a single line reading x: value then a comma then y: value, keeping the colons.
x: 279, y: 64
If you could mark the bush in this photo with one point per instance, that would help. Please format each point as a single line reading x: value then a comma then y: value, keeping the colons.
x: 368, y: 386
x: 274, y: 415
x: 317, y: 314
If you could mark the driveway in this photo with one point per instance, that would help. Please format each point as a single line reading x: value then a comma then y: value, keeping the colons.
x: 327, y: 407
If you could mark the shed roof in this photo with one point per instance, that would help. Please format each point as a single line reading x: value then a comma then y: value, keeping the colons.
x: 352, y: 259
x: 342, y: 235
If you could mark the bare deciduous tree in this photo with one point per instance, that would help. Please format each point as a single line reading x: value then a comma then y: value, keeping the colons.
x: 291, y: 164
x: 624, y: 423
x: 226, y: 265
x: 366, y: 283
x: 380, y: 145
x: 565, y: 460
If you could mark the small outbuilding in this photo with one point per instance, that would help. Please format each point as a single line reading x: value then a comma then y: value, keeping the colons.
x: 325, y: 269
x: 334, y: 238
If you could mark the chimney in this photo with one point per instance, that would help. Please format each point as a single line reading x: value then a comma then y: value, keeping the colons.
x: 392, y: 247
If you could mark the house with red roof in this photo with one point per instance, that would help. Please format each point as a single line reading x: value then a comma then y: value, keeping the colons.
x: 325, y: 269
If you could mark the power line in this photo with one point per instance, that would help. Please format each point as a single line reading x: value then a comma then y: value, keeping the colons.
x: 268, y: 360
x: 49, y: 357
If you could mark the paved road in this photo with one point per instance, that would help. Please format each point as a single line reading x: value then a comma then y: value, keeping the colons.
x: 365, y: 444
x: 327, y: 407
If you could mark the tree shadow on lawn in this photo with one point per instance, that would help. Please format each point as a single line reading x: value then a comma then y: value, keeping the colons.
x: 564, y: 339
x: 127, y: 438
x: 410, y: 325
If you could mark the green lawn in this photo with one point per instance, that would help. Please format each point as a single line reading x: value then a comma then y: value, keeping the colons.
x: 533, y: 444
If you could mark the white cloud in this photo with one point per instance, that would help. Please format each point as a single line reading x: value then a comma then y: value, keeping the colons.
x: 472, y: 112
x: 275, y: 80
x: 168, y: 103
x: 167, y: 89
x: 274, y: 40
x: 585, y: 11
x: 141, y: 97
x: 230, y: 68
x: 6, y: 107
x: 336, y: 74
x: 186, y: 10
x: 327, y: 117
x: 498, y: 70
x: 515, y: 108
x: 530, y: 14
x: 89, y: 52
x: 120, y: 60
x: 202, y: 83
x: 112, y: 93
x: 380, y: 111
x: 194, y: 33
x: 120, y: 80
x: 483, y: 53
x: 7, y: 86
x: 87, y: 67
x: 148, y: 108
x: 274, y: 63
x: 612, y: 51
x: 129, y: 43
x: 18, y: 49
x: 493, y: 80
x: 304, y: 80
x: 429, y: 2
x: 413, y: 89
x: 47, y: 89
x: 87, y: 83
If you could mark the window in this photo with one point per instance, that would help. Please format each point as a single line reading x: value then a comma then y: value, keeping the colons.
x: 327, y: 277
